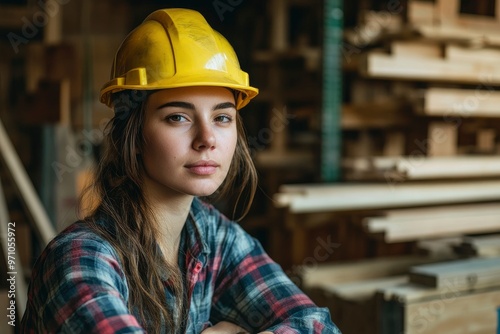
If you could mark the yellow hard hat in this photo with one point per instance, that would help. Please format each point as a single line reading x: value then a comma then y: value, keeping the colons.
x: 176, y: 48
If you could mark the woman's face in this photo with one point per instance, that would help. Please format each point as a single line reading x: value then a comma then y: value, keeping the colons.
x: 190, y: 137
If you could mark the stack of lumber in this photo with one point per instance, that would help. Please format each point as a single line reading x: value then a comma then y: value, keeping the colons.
x: 435, y: 222
x: 406, y: 295
x: 450, y: 297
x: 348, y: 290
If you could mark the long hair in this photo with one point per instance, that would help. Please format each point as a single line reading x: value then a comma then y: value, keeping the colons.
x: 133, y: 232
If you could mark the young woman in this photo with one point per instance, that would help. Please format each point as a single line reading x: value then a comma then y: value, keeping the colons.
x: 152, y: 256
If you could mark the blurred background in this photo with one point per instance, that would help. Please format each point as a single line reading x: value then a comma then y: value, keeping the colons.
x: 374, y: 134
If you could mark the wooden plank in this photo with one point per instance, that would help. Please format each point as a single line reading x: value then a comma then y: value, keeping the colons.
x: 467, y: 54
x: 472, y: 313
x: 338, y: 197
x: 486, y: 140
x: 470, y: 273
x: 43, y: 227
x: 362, y: 289
x: 416, y: 229
x: 385, y: 66
x: 328, y: 275
x: 410, y: 168
x: 442, y: 139
x: 461, y: 102
x: 394, y: 145
x: 437, y: 212
x: 411, y: 49
x: 421, y: 12
x: 445, y: 33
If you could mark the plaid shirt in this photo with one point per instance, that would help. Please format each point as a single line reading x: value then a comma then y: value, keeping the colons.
x: 78, y: 284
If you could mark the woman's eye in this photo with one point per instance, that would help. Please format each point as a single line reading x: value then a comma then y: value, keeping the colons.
x: 223, y: 119
x: 176, y: 118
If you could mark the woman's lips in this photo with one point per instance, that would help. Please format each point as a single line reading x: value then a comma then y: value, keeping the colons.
x: 203, y: 167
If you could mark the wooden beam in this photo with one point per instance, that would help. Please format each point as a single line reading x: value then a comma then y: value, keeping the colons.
x: 385, y: 66
x: 328, y: 275
x: 467, y: 54
x: 451, y: 102
x: 341, y: 197
x: 442, y: 139
x: 426, y: 168
x: 486, y: 140
x: 421, y: 12
x: 435, y: 222
x: 470, y: 313
x: 470, y: 273
x: 458, y: 34
x: 42, y: 225
x: 418, y: 49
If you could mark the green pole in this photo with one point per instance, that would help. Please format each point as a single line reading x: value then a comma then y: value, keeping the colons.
x: 332, y: 91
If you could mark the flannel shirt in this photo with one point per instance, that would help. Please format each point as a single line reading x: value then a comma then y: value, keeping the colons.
x: 78, y: 284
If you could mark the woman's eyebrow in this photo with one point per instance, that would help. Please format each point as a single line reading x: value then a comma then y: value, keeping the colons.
x: 224, y: 105
x: 177, y: 104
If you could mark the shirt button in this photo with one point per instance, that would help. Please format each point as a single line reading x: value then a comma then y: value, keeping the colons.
x: 198, y: 267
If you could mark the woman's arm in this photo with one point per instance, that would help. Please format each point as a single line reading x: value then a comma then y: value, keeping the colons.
x: 253, y: 291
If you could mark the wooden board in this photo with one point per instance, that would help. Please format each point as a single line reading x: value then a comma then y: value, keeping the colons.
x: 328, y: 276
x: 471, y: 273
x: 484, y: 37
x: 442, y: 139
x: 338, y: 197
x: 481, y: 102
x: 472, y: 313
x: 412, y: 168
x: 385, y: 66
x: 415, y: 49
x: 421, y: 12
x: 436, y: 222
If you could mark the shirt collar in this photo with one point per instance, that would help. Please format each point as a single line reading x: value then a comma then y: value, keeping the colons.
x: 197, y: 227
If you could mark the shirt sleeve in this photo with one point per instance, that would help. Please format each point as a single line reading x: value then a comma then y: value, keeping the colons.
x: 253, y: 292
x: 78, y: 287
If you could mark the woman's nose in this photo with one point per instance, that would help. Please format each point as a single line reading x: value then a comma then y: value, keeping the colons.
x: 205, y: 137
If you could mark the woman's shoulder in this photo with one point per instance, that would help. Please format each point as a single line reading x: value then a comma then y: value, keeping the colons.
x: 78, y: 240
x: 80, y: 233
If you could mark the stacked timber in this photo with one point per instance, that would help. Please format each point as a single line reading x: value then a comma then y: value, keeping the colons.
x: 451, y: 297
x: 349, y: 290
x: 404, y: 296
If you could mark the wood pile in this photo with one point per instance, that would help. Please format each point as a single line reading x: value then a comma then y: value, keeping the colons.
x: 423, y: 168
x: 457, y: 296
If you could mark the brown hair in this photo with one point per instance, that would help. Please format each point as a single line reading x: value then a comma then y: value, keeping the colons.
x: 133, y: 231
